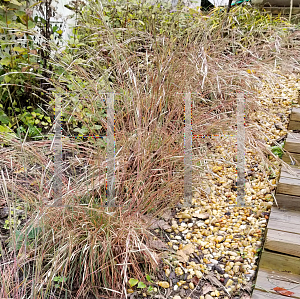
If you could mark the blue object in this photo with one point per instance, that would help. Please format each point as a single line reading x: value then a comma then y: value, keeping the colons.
x: 239, y: 2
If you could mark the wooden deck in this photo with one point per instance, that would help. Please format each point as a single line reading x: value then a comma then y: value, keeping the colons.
x: 279, y: 264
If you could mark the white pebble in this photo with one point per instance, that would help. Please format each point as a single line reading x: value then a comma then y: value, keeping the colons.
x: 232, y: 253
x: 200, y: 224
x: 209, y: 266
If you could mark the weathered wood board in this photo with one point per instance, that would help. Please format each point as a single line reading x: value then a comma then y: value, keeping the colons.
x: 282, y: 10
x: 257, y: 294
x: 288, y: 202
x: 289, y: 183
x: 283, y: 242
x: 292, y: 143
x: 296, y: 157
x: 279, y: 262
x: 295, y: 115
x: 267, y: 280
x: 280, y: 3
x: 288, y: 186
x: 294, y: 125
x: 287, y: 221
x: 293, y: 173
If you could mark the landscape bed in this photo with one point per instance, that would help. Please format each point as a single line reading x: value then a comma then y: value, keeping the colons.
x: 149, y: 58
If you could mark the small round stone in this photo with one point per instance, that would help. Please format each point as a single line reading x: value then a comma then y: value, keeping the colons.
x: 164, y: 284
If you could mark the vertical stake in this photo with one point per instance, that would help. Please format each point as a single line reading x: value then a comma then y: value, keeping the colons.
x: 188, y: 193
x: 110, y: 191
x: 240, y: 150
x: 57, y: 182
x: 291, y: 9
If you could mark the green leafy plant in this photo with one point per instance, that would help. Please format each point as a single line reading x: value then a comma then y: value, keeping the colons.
x: 140, y: 285
x: 21, y: 60
x: 277, y: 150
x: 133, y: 282
x: 22, y: 66
x: 27, y: 120
x: 258, y: 251
x: 149, y: 278
x: 19, y: 235
x: 9, y: 223
x: 59, y: 280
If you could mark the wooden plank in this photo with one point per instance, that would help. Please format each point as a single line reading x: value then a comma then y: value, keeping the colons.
x: 280, y: 3
x: 267, y: 280
x: 279, y: 262
x: 257, y: 294
x: 282, y: 10
x: 294, y: 125
x: 288, y: 202
x: 295, y: 157
x: 292, y: 143
x: 293, y: 173
x: 286, y: 221
x: 283, y: 242
x: 288, y: 186
x: 295, y: 115
x: 289, y: 183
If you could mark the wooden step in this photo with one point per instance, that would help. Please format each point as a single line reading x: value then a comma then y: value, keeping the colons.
x: 279, y: 262
x: 284, y: 220
x: 291, y: 159
x: 283, y: 232
x: 292, y: 143
x: 288, y: 202
x: 257, y: 294
x: 267, y: 280
x: 289, y: 182
x: 295, y: 115
x: 294, y: 123
x: 283, y: 242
